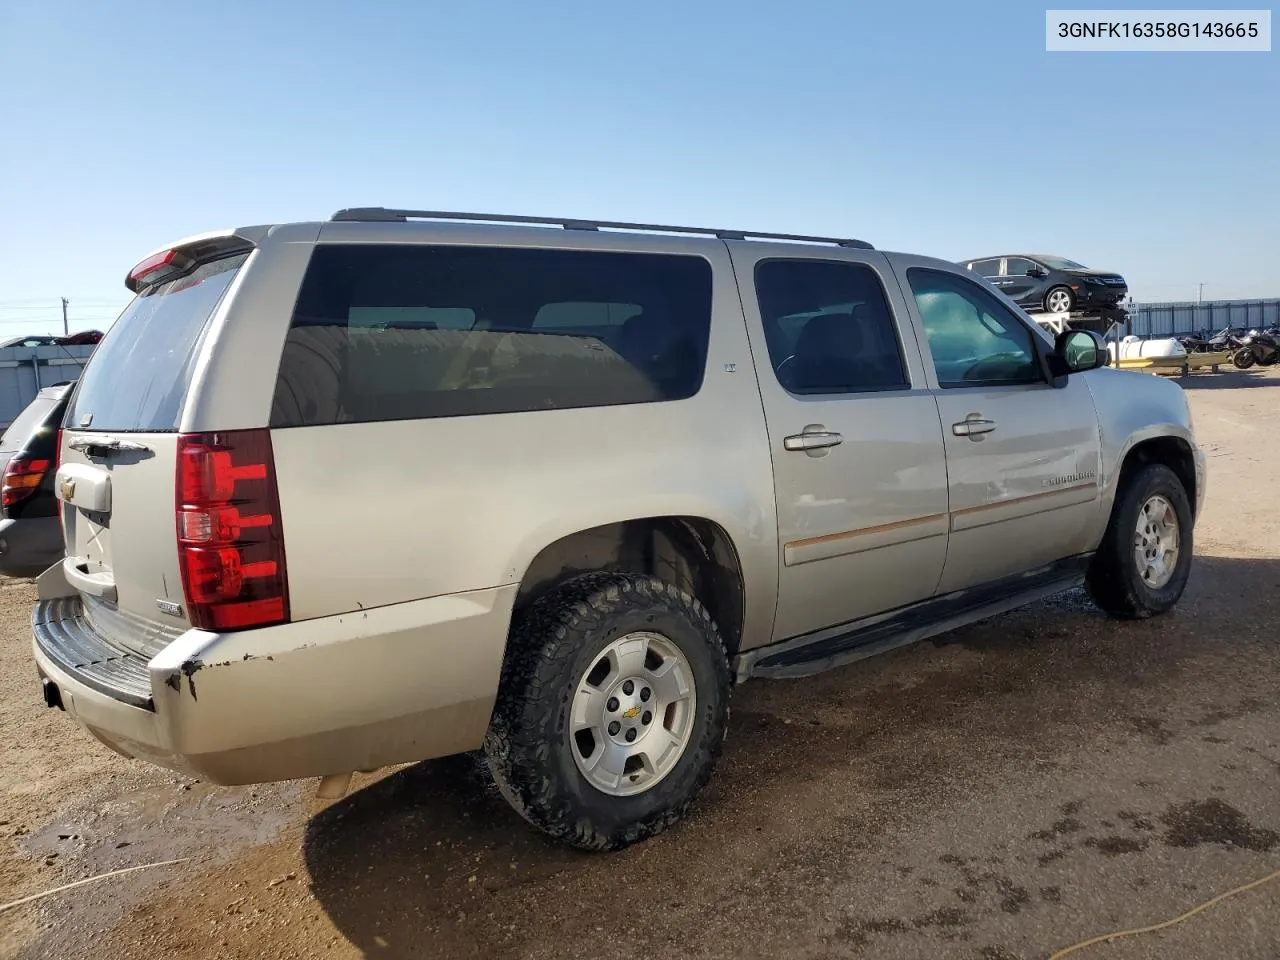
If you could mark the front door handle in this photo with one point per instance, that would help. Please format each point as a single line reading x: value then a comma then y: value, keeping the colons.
x: 816, y: 440
x: 973, y: 426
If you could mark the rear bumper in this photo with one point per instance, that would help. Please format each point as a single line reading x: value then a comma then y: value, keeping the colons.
x: 29, y: 545
x: 354, y: 692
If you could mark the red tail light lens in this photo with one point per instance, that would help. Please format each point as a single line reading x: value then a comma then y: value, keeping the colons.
x: 21, y: 478
x: 169, y: 263
x: 230, y: 538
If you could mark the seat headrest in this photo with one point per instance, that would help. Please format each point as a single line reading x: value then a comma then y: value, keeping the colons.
x: 830, y: 334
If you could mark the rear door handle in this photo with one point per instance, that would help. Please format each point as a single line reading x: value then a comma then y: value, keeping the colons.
x: 973, y: 427
x: 812, y: 441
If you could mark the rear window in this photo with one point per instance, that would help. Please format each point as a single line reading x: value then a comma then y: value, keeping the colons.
x: 19, y: 432
x: 395, y: 332
x: 137, y: 378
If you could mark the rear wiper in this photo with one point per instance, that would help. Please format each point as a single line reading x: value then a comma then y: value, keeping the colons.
x: 104, y: 442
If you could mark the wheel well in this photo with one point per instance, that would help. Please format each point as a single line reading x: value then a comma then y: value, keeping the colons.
x: 693, y: 553
x: 1173, y: 452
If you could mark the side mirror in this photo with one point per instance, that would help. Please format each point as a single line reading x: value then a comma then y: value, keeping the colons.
x: 1080, y: 350
x: 1035, y: 272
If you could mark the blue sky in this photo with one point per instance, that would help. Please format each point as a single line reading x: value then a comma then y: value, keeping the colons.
x: 942, y: 128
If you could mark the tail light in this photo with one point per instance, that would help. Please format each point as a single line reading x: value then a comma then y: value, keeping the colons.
x: 230, y: 538
x: 161, y: 266
x: 22, y: 476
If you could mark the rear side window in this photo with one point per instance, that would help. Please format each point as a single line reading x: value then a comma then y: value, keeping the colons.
x: 397, y: 332
x: 26, y: 423
x: 828, y: 327
x: 137, y: 379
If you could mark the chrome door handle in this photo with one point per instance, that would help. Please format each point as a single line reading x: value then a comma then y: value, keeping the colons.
x: 973, y: 427
x: 104, y: 442
x: 812, y: 441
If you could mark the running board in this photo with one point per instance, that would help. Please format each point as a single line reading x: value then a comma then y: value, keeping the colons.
x: 826, y: 649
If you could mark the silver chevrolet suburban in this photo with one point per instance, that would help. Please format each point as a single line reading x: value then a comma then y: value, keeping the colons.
x: 403, y: 484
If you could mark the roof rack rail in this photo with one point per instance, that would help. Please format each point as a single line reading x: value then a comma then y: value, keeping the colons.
x: 385, y: 215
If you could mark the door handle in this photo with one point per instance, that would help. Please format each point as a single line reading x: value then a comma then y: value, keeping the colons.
x: 812, y: 441
x: 973, y: 426
x: 102, y: 442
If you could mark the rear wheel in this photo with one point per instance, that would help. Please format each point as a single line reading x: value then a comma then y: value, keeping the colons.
x: 1059, y: 300
x: 612, y: 710
x: 1141, y: 567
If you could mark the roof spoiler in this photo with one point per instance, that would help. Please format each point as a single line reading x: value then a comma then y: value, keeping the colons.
x: 178, y: 258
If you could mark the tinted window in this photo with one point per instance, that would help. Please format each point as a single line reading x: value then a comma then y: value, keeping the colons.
x: 137, y: 378
x: 1061, y: 263
x: 986, y: 268
x: 394, y: 332
x: 828, y: 327
x: 1017, y: 266
x: 19, y: 432
x: 975, y: 341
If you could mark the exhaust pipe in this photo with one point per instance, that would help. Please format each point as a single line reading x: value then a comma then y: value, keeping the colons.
x: 52, y: 695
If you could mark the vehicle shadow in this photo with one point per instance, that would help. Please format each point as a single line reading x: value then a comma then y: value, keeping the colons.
x: 431, y: 862
x: 1229, y: 378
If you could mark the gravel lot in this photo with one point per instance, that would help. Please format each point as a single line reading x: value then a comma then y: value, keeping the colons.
x: 1001, y: 793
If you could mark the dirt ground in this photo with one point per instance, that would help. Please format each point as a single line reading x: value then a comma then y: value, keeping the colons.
x: 1000, y: 793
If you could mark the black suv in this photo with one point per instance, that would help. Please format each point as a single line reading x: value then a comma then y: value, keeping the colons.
x: 30, y: 535
x: 1052, y: 284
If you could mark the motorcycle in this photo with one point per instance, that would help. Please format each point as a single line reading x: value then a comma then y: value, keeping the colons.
x: 1224, y: 342
x: 1257, y: 346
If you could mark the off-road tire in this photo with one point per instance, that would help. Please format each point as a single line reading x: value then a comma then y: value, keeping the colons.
x: 551, y: 646
x: 1113, y: 580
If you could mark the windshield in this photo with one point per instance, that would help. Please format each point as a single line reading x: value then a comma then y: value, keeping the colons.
x: 18, y: 432
x: 137, y: 379
x: 1062, y: 263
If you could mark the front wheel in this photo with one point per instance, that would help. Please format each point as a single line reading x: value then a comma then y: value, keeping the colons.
x: 1141, y: 567
x: 1243, y: 358
x: 611, y: 711
x: 1059, y: 300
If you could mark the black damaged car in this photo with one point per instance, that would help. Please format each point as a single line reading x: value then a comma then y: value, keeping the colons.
x: 1052, y: 284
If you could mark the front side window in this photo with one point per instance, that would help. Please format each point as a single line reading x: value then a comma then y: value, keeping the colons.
x: 400, y: 331
x: 974, y: 340
x: 828, y: 327
x: 1062, y: 263
x: 1017, y: 266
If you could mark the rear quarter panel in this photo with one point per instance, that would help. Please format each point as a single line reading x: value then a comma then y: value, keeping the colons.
x: 387, y: 512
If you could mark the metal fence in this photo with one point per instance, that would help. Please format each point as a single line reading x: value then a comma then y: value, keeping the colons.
x: 1180, y: 319
x: 25, y: 370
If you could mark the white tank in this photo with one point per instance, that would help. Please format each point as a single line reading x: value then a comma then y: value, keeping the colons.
x: 1134, y: 348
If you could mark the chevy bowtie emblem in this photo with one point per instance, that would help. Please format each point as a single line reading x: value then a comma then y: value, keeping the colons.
x: 68, y: 489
